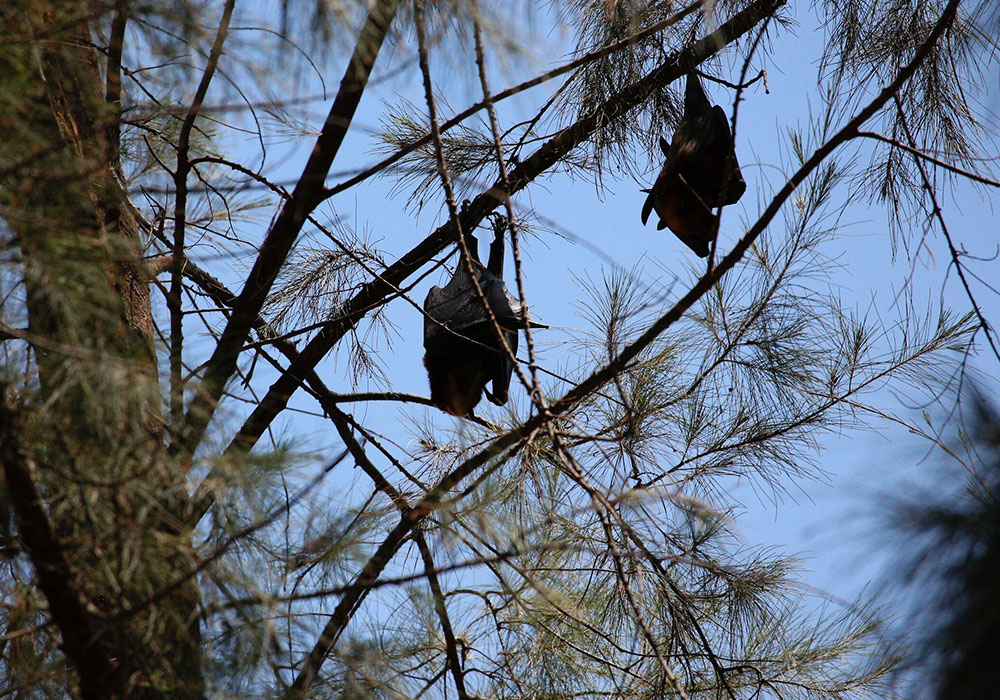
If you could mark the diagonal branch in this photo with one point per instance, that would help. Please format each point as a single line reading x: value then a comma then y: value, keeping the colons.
x: 373, y: 293
x: 278, y: 242
x: 516, y: 89
x: 939, y: 215
x: 505, y: 444
x: 451, y: 647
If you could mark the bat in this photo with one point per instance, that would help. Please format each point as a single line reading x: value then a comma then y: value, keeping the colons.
x: 462, y: 351
x: 700, y: 172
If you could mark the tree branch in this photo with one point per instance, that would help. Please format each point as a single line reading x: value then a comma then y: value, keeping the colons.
x: 918, y: 154
x: 510, y: 440
x: 939, y: 215
x: 373, y: 293
x: 451, y: 648
x: 278, y: 242
x: 180, y: 218
x: 87, y: 651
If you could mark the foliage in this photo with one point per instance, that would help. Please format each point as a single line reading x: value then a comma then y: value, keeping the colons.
x: 949, y: 569
x: 218, y: 481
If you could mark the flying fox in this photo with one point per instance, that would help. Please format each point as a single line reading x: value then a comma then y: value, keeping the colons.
x: 700, y: 172
x: 463, y: 352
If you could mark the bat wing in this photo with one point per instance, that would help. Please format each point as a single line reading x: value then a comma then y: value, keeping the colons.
x: 458, y: 308
x: 503, y: 369
x: 505, y: 306
x: 717, y: 125
x: 688, y: 216
x: 703, y: 151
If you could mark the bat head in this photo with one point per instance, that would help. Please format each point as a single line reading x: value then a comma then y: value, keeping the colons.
x: 456, y: 382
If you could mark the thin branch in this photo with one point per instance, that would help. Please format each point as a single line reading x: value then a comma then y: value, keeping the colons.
x: 278, y: 241
x: 535, y: 388
x: 451, y: 648
x: 373, y: 293
x: 340, y: 419
x: 918, y: 154
x: 180, y: 217
x: 939, y: 215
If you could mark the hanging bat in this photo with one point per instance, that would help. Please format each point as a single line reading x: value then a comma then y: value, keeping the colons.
x: 462, y: 351
x: 700, y: 172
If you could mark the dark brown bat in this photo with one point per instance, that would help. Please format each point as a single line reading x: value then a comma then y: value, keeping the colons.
x: 701, y: 172
x: 462, y: 351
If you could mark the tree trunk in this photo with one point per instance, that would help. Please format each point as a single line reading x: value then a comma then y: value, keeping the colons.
x: 95, y: 431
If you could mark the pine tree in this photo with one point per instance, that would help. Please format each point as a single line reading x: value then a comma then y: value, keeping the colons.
x: 198, y: 346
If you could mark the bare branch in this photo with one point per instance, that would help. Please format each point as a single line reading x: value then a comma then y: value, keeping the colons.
x: 278, y: 242
x: 939, y: 215
x: 180, y: 214
x: 451, y: 648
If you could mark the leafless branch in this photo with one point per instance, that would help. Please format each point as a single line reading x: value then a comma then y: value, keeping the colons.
x: 278, y: 241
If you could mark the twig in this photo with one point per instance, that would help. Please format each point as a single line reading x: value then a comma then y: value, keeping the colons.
x: 372, y: 293
x: 278, y: 241
x: 451, y: 648
x: 535, y: 388
x: 180, y: 216
x: 918, y: 154
x: 939, y: 215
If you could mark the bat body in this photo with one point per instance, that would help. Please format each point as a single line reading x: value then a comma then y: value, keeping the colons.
x: 462, y: 351
x: 700, y: 172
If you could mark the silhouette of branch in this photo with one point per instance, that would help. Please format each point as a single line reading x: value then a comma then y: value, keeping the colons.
x: 174, y: 304
x: 451, y: 648
x: 278, y: 241
x: 373, y: 293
